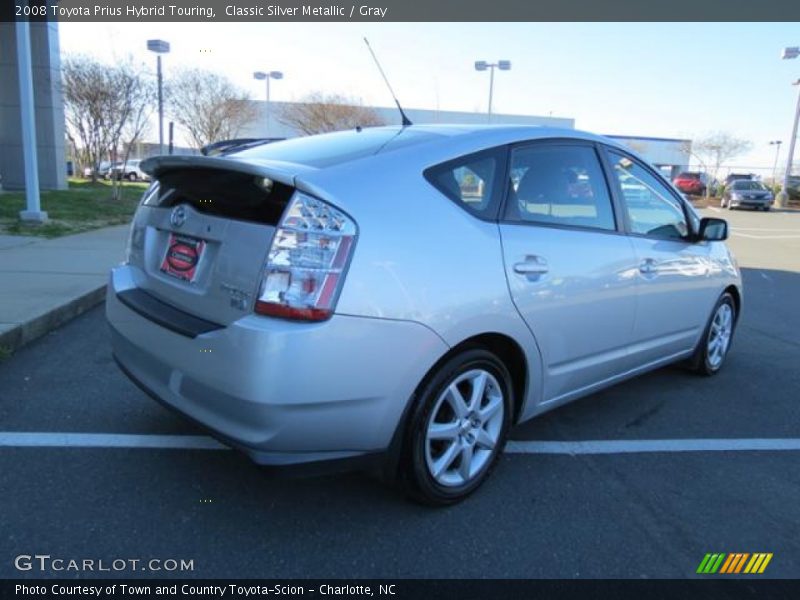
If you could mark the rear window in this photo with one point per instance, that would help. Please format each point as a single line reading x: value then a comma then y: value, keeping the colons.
x: 335, y: 148
x: 689, y: 176
x: 227, y: 194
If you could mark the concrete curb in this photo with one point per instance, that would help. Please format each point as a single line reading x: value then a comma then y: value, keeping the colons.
x: 25, y: 333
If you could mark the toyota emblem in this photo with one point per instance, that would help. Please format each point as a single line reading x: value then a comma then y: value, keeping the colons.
x: 178, y: 216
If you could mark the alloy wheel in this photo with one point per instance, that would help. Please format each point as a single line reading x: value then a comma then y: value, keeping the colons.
x: 719, y: 335
x: 464, y: 428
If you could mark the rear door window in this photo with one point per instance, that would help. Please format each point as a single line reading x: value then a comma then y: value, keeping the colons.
x: 562, y: 185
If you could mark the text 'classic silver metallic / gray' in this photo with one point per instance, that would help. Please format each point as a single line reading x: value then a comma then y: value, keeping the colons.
x: 409, y: 294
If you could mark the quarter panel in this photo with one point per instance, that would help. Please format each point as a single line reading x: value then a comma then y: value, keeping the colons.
x: 422, y: 258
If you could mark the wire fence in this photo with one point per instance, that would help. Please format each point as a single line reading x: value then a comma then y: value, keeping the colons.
x: 771, y: 175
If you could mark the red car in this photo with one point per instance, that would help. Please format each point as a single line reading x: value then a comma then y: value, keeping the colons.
x: 690, y: 183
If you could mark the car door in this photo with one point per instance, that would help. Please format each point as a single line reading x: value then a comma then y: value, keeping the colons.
x: 675, y: 276
x: 570, y: 270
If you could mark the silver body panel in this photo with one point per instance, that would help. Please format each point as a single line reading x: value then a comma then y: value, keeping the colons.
x: 424, y: 277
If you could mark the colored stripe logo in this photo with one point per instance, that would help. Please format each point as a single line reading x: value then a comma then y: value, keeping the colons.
x: 734, y: 562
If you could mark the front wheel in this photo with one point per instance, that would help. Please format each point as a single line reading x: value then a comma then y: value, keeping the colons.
x: 132, y: 177
x: 715, y: 343
x: 457, y: 428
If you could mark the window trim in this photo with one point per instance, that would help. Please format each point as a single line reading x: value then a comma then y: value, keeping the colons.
x: 505, y: 218
x: 492, y: 211
x: 605, y: 151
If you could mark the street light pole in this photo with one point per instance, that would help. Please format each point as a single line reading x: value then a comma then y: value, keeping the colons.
x: 159, y: 47
x: 160, y: 107
x: 482, y: 65
x: 783, y: 197
x: 786, y: 176
x: 261, y: 75
x: 777, y: 144
x: 491, y: 91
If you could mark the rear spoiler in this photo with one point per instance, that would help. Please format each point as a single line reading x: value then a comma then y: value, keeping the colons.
x: 278, y: 171
x: 226, y: 146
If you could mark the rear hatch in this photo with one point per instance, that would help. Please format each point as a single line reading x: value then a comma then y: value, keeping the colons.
x: 201, y: 236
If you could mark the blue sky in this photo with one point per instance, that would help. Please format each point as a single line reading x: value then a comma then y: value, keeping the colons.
x: 649, y: 79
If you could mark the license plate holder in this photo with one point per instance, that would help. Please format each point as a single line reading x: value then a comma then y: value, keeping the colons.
x: 182, y: 257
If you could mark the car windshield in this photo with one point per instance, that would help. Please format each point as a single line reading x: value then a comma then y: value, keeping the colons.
x: 748, y: 185
x: 335, y: 148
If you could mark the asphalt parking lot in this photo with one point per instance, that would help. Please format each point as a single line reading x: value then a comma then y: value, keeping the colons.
x: 564, y: 512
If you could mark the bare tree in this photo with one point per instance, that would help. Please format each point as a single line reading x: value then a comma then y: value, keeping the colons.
x: 134, y: 105
x: 318, y: 113
x: 208, y: 106
x: 107, y: 107
x: 87, y: 96
x: 716, y: 148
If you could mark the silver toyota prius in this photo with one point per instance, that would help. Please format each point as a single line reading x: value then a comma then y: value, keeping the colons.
x: 408, y: 294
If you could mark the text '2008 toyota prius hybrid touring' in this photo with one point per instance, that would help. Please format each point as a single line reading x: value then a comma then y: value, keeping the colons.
x: 409, y: 293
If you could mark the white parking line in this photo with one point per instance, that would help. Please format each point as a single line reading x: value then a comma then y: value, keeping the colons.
x: 14, y: 439
x: 765, y: 237
x: 641, y: 446
x: 793, y: 230
x: 714, y: 208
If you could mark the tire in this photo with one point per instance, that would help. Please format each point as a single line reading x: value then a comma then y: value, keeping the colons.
x: 448, y: 425
x: 709, y: 356
x: 132, y: 177
x: 765, y: 209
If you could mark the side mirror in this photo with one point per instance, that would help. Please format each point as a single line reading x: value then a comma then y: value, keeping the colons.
x: 712, y: 230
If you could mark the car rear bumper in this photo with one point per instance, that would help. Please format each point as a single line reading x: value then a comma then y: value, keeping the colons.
x: 283, y: 392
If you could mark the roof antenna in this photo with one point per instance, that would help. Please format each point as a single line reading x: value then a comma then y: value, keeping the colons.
x: 406, y: 121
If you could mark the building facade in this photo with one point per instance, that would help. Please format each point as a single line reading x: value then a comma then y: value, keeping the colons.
x: 48, y: 108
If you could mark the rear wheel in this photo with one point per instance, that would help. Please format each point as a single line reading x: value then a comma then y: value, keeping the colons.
x: 457, y: 428
x: 713, y: 347
x: 132, y: 177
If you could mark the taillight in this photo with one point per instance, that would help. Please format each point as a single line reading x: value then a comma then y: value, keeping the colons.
x: 305, y: 266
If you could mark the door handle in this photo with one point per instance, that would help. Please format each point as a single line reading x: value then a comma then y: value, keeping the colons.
x: 532, y: 265
x: 648, y: 267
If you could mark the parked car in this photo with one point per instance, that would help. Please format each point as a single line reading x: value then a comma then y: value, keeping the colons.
x: 130, y: 170
x: 746, y: 192
x: 691, y: 183
x: 102, y: 170
x: 387, y: 294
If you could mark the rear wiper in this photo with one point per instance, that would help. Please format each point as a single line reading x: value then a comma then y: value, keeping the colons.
x: 227, y: 146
